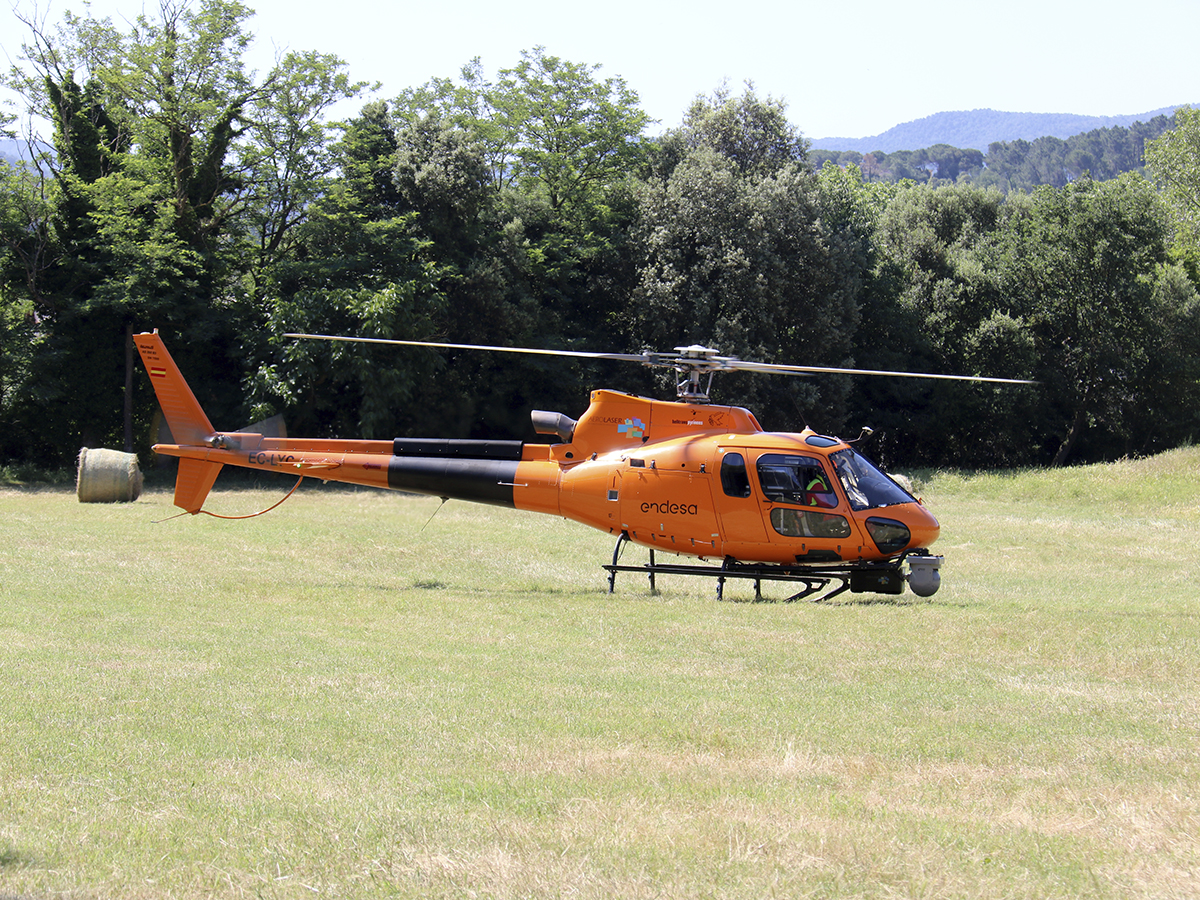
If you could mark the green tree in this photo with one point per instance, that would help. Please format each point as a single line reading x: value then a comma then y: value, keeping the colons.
x: 573, y: 134
x: 464, y: 104
x: 157, y: 188
x: 440, y: 174
x: 944, y: 315
x: 1080, y: 264
x: 1068, y: 286
x: 24, y: 242
x: 547, y: 125
x: 754, y: 134
x: 286, y: 163
x: 537, y: 252
x: 1169, y: 412
x: 946, y: 163
x: 1173, y: 159
x: 740, y: 249
x: 359, y: 267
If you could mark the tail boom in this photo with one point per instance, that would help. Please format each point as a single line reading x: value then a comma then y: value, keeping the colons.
x: 504, y: 473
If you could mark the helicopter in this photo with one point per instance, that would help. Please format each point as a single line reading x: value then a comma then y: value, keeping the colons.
x: 684, y: 477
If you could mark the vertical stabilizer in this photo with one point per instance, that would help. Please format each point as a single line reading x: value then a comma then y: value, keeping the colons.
x: 181, y: 409
x: 187, y: 421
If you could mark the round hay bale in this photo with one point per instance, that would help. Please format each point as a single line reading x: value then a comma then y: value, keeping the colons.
x: 107, y: 476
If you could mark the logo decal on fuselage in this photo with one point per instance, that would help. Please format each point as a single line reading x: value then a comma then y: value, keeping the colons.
x: 670, y: 508
x: 632, y: 429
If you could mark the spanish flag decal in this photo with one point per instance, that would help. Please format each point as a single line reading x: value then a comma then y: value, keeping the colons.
x: 158, y: 372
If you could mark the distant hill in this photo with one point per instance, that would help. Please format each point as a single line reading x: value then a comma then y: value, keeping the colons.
x: 977, y: 128
x: 10, y: 150
x: 17, y: 151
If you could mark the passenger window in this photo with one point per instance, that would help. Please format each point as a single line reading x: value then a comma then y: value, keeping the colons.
x: 734, y: 479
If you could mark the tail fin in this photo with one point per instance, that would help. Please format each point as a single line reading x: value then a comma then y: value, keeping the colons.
x: 187, y: 421
x: 185, y: 418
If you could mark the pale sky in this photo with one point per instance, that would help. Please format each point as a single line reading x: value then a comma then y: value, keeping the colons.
x: 844, y: 69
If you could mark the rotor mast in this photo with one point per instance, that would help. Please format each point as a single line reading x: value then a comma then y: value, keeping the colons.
x: 693, y: 363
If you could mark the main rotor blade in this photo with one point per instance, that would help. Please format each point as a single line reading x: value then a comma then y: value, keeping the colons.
x: 580, y: 354
x: 780, y: 369
x: 700, y: 359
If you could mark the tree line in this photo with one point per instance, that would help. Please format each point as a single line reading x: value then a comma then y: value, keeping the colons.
x: 533, y: 209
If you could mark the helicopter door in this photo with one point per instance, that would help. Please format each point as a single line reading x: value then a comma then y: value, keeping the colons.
x: 739, y: 510
x: 803, y: 508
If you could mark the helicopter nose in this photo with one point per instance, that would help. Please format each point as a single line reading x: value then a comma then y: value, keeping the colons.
x: 924, y: 527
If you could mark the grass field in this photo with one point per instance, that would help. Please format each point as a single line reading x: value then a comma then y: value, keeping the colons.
x: 347, y: 698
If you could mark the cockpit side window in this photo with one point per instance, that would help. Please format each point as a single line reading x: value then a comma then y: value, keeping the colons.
x: 795, y: 479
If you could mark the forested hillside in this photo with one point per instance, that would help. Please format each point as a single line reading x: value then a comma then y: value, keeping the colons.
x: 1022, y: 165
x: 534, y: 209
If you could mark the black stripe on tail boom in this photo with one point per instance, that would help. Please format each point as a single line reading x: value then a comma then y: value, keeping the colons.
x: 477, y: 480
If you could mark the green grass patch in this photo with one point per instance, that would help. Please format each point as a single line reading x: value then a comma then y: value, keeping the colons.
x: 363, y: 695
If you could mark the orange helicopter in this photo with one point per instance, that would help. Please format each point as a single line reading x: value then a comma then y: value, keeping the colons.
x: 687, y: 477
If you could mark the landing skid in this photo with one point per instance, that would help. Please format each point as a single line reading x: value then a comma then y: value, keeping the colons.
x: 884, y: 578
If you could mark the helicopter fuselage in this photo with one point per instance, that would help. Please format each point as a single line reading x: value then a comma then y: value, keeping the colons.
x: 693, y: 479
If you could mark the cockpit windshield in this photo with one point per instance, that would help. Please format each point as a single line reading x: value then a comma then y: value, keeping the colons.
x: 866, y: 486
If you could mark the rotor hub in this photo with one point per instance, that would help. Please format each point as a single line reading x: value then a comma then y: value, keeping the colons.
x: 693, y: 362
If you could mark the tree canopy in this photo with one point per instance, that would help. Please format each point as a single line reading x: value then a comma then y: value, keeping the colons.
x: 1174, y: 160
x: 167, y: 157
x: 533, y: 208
